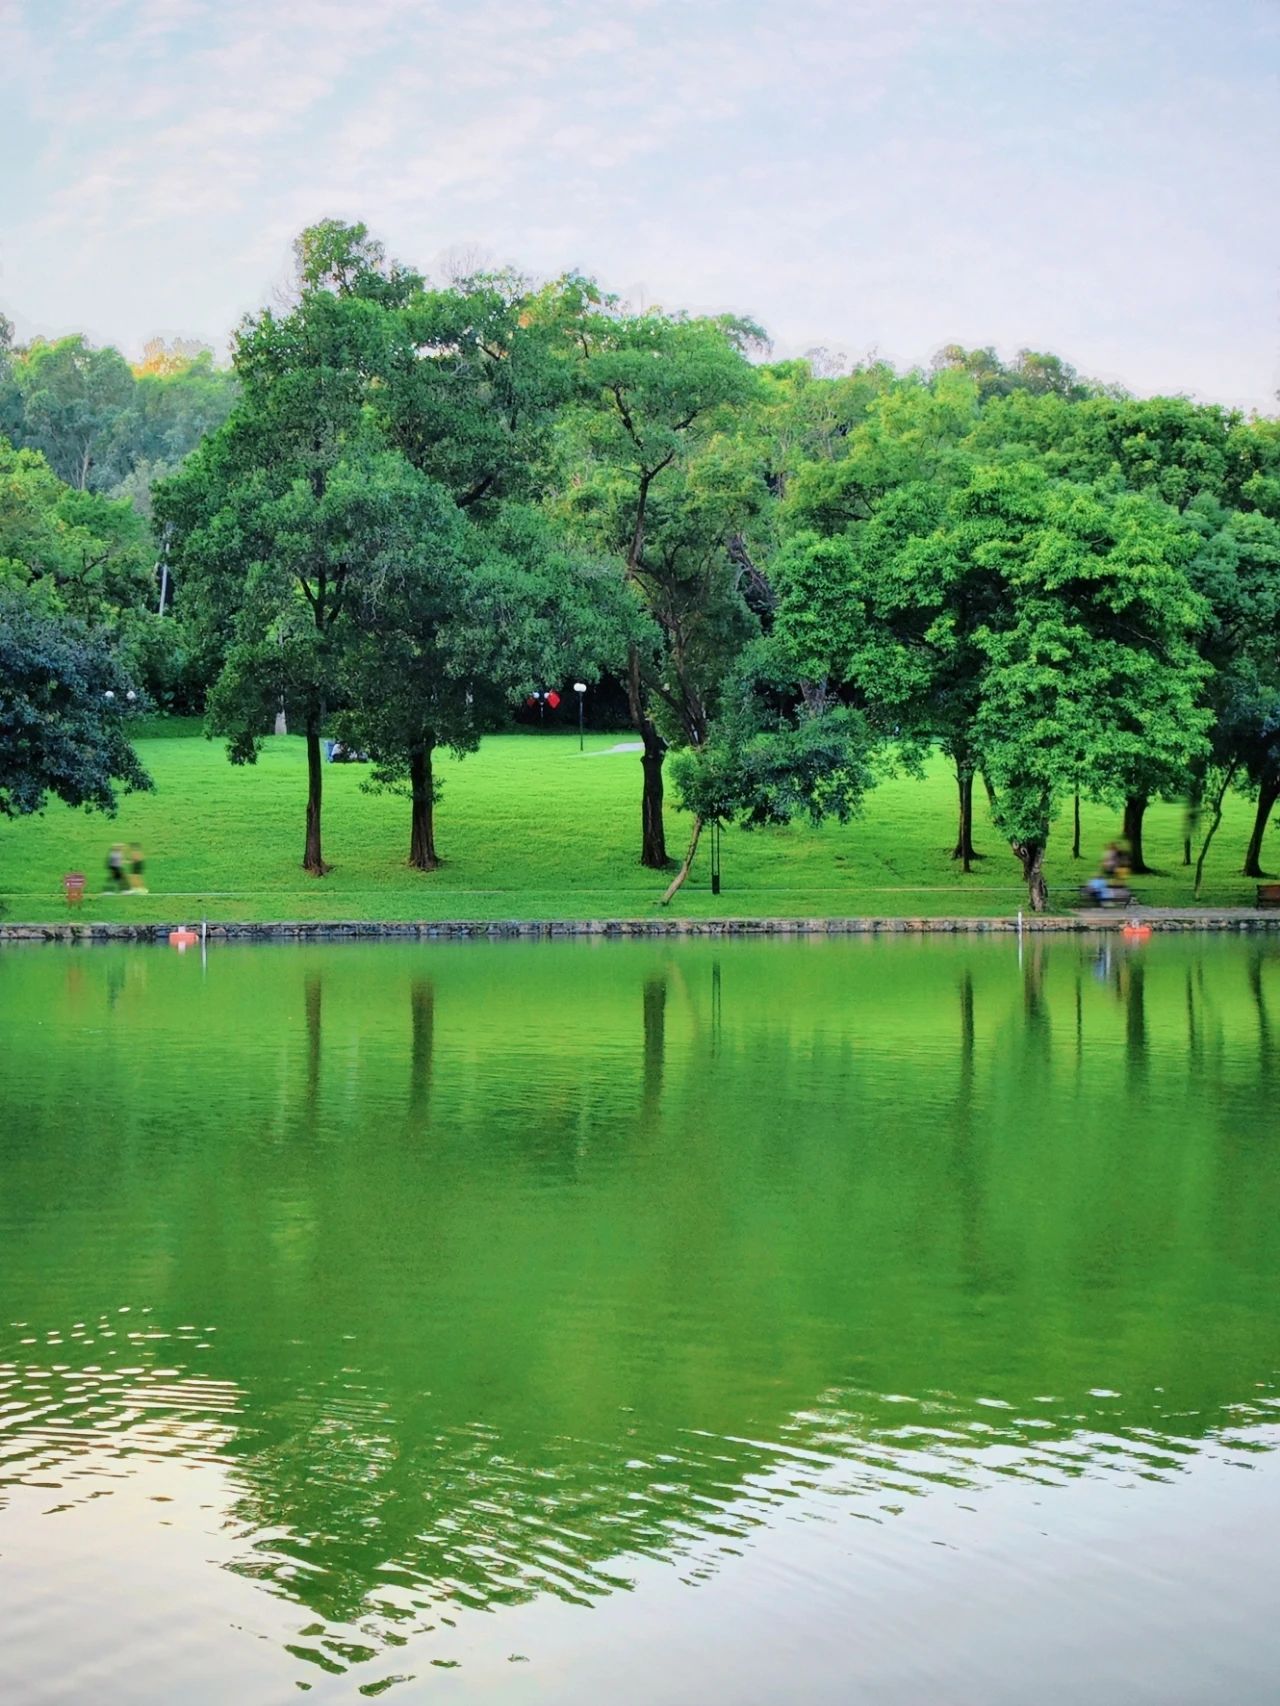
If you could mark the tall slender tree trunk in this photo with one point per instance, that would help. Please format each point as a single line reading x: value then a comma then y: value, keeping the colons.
x: 1135, y: 810
x: 1075, y: 825
x: 678, y: 880
x: 312, y: 858
x: 1193, y: 808
x: 964, y: 849
x: 1031, y: 857
x: 653, y: 842
x: 1215, y: 819
x: 422, y: 838
x: 1268, y: 795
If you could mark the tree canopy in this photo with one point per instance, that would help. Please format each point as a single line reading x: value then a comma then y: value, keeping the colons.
x: 408, y: 504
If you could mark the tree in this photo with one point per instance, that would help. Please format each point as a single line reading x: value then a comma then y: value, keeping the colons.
x: 891, y: 616
x: 83, y: 555
x: 282, y: 517
x: 1188, y: 455
x: 75, y: 400
x: 470, y: 617
x: 773, y: 754
x: 654, y: 480
x: 62, y: 713
x: 10, y: 393
x: 1236, y: 570
x: 180, y: 398
x: 1030, y: 371
x: 871, y: 601
x: 1093, y: 661
x: 491, y: 602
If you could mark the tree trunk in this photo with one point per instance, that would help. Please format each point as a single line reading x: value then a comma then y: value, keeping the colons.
x: 684, y: 870
x: 1135, y: 809
x: 1267, y: 797
x: 653, y: 843
x: 312, y: 859
x: 653, y: 840
x: 1075, y: 825
x: 1191, y: 816
x: 964, y: 849
x: 1215, y: 818
x: 1031, y: 857
x: 422, y: 839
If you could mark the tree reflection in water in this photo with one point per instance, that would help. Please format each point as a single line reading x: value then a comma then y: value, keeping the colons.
x: 891, y: 1223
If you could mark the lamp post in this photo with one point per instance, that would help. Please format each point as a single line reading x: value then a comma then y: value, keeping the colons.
x: 580, y: 688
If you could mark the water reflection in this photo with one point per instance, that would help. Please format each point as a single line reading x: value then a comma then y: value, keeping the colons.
x: 422, y: 1030
x: 697, y: 1239
x: 655, y: 1035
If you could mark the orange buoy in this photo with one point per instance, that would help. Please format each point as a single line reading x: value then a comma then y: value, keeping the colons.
x: 1136, y: 932
x: 182, y: 939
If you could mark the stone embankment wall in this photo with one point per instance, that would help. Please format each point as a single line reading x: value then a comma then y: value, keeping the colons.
x: 465, y: 930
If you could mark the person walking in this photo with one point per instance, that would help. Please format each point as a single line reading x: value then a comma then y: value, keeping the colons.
x: 117, y: 881
x: 136, y: 883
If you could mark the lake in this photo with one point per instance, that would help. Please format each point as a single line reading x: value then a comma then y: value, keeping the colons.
x: 744, y: 1322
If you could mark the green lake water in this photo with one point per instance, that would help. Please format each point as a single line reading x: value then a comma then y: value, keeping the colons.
x: 591, y: 1323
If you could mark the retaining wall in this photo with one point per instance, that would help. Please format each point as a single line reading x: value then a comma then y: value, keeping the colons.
x: 1240, y: 920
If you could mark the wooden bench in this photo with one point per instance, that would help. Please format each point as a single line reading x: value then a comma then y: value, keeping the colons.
x: 1120, y: 894
x: 1269, y: 894
x: 73, y: 887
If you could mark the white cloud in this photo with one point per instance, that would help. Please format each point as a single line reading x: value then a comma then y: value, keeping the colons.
x: 852, y: 171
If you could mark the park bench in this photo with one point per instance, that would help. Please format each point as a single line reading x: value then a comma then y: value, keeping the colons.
x: 1269, y: 894
x: 1119, y: 894
x: 73, y: 887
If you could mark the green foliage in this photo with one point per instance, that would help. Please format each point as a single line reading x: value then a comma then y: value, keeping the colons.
x: 75, y: 400
x: 412, y: 502
x: 62, y: 707
x: 658, y: 473
x: 81, y: 554
x: 1092, y: 672
x: 769, y: 761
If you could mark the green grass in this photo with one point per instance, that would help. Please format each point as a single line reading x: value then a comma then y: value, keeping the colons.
x: 529, y: 828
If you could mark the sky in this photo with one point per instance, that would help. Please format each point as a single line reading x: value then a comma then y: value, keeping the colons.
x: 1092, y: 177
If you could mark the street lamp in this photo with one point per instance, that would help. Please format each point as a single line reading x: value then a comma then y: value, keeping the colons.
x: 580, y: 688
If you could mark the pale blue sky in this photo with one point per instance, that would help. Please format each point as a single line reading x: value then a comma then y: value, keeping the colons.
x: 1096, y: 177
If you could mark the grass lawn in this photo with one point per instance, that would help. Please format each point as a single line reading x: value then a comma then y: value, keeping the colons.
x: 530, y: 828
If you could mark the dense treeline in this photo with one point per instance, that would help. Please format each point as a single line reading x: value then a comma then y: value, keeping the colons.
x: 408, y: 506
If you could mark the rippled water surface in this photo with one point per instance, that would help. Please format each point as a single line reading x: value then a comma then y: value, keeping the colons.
x: 584, y: 1323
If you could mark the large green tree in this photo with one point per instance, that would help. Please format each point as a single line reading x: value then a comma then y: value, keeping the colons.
x: 654, y: 475
x: 469, y: 617
x: 1092, y: 662
x: 282, y: 519
x: 63, y: 707
x: 869, y: 603
x: 76, y: 401
x: 491, y: 602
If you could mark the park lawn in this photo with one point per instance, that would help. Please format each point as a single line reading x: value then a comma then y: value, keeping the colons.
x: 529, y: 827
